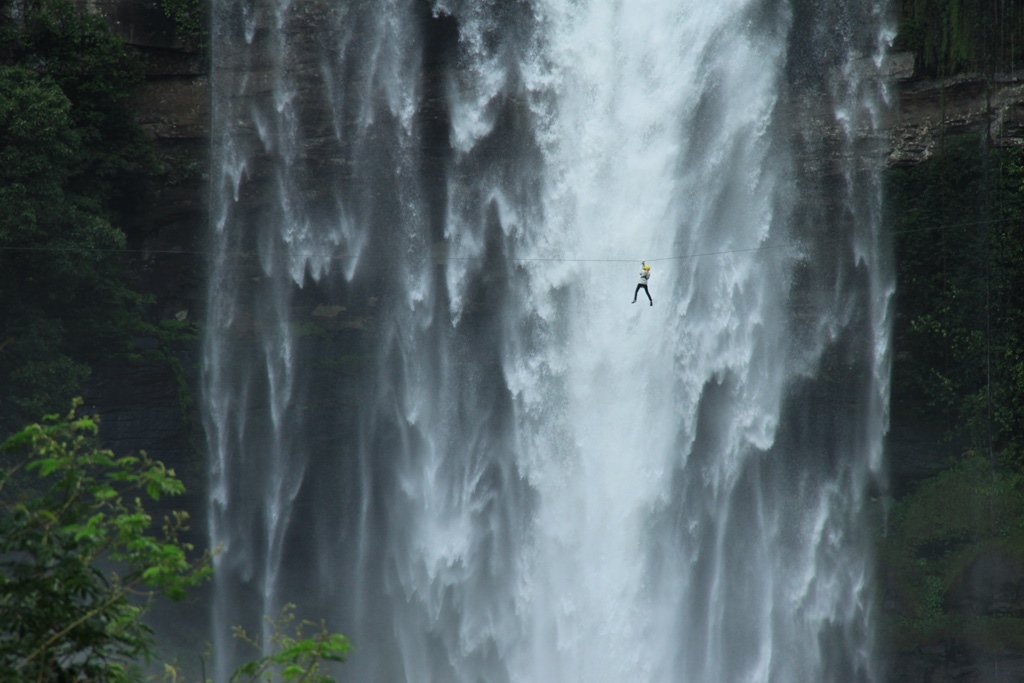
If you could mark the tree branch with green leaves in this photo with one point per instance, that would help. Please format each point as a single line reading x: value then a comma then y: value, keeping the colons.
x: 80, y: 561
x: 297, y: 658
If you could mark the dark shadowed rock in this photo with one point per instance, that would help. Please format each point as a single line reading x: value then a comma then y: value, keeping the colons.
x: 138, y: 403
x: 141, y: 23
x: 992, y: 584
x: 969, y: 103
x: 951, y: 665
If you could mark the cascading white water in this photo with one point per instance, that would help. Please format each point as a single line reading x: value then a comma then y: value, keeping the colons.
x: 435, y: 418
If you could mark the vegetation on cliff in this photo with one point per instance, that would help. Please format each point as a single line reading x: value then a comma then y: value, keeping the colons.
x: 959, y: 225
x: 78, y: 562
x: 71, y: 158
x: 187, y: 16
x: 959, y: 219
x: 81, y: 562
x: 956, y: 36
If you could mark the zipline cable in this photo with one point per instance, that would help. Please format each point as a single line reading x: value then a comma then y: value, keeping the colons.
x: 523, y: 259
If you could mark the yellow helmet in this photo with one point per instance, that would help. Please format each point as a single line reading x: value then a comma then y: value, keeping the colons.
x: 646, y: 267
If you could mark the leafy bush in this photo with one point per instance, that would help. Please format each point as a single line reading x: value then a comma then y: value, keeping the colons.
x: 299, y: 657
x: 79, y: 563
x: 70, y: 157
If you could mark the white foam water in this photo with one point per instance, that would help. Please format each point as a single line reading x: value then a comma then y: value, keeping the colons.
x: 531, y: 478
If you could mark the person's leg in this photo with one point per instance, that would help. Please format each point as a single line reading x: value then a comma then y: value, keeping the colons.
x: 648, y: 293
x: 637, y: 291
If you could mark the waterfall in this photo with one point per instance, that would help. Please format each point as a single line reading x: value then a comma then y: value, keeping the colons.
x: 435, y: 418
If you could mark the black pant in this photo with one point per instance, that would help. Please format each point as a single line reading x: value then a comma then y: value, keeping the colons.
x: 643, y: 287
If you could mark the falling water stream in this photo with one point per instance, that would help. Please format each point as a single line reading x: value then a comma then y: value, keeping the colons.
x: 436, y: 419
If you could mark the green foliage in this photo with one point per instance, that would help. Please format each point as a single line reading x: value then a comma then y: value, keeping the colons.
x: 44, y: 376
x: 187, y: 16
x: 295, y: 658
x: 935, y: 534
x: 959, y: 225
x: 79, y: 563
x: 956, y: 36
x: 959, y: 220
x: 70, y: 156
x: 97, y: 73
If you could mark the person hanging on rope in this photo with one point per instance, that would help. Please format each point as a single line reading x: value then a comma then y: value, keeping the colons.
x: 645, y: 275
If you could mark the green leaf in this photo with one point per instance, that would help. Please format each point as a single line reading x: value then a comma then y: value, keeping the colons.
x: 292, y: 672
x: 46, y: 466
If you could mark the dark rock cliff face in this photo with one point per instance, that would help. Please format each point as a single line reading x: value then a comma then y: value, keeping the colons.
x: 923, y: 112
x: 966, y: 104
x: 149, y: 402
x: 146, y: 402
x: 173, y: 107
